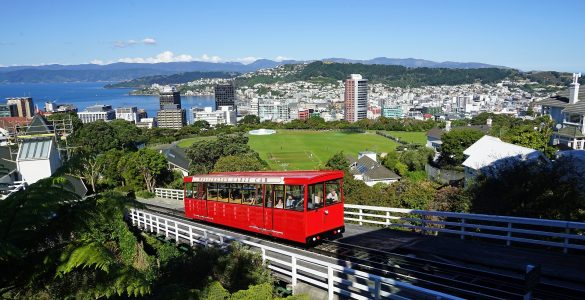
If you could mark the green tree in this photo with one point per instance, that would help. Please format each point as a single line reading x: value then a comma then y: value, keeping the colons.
x: 96, y: 137
x: 127, y: 134
x: 337, y: 162
x: 238, y: 163
x: 146, y: 166
x: 250, y: 120
x: 455, y: 142
x: 86, y: 166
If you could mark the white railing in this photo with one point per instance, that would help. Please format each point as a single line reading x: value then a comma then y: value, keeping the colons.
x: 553, y: 233
x: 560, y: 234
x: 169, y: 193
x: 333, y: 278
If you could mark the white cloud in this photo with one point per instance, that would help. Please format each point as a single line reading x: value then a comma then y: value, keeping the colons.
x: 128, y: 43
x: 281, y: 58
x: 247, y: 60
x: 149, y: 41
x: 209, y: 58
x: 97, y: 62
x: 166, y: 56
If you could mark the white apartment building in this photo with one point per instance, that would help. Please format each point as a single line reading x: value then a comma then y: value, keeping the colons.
x: 97, y: 112
x: 224, y: 115
x: 129, y: 114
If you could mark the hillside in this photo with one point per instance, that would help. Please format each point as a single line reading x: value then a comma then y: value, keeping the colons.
x: 392, y: 75
x: 169, y: 79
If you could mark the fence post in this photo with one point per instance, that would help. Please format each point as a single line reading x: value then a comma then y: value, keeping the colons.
x: 387, y: 218
x: 293, y: 271
x: 191, y: 236
x: 377, y: 289
x: 566, y: 242
x: 157, y: 225
x: 263, y: 256
x: 462, y: 229
x: 329, y: 282
x: 166, y: 229
x: 176, y: 233
x: 508, y: 242
x: 361, y: 217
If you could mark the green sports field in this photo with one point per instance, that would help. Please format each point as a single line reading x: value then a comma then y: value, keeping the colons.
x: 306, y: 150
x: 185, y: 143
x: 415, y: 137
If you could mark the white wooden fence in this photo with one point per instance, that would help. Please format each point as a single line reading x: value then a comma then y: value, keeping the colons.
x: 552, y: 233
x: 333, y: 278
x: 169, y: 193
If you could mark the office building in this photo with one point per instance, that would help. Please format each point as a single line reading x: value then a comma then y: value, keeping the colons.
x: 224, y: 115
x: 146, y: 123
x: 225, y: 96
x: 24, y: 106
x: 129, y: 114
x: 8, y: 110
x: 50, y: 106
x: 170, y: 98
x: 141, y: 114
x: 356, y: 98
x: 171, y: 118
x: 97, y: 112
x: 392, y: 112
x: 276, y: 111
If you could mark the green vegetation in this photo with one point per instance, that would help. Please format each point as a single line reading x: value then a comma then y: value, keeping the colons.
x: 307, y: 150
x: 455, y: 142
x: 184, y: 143
x: 419, y: 138
x: 330, y: 73
x: 169, y: 79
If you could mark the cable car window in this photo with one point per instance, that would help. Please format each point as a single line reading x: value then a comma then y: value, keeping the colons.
x: 202, y: 191
x: 315, y: 196
x: 333, y: 189
x: 236, y: 193
x: 212, y: 191
x: 223, y: 194
x: 189, y: 190
x: 258, y: 196
x: 268, y: 196
x: 248, y: 192
x: 279, y: 196
x: 295, y: 196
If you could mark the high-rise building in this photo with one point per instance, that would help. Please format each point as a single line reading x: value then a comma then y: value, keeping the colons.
x: 8, y: 110
x: 141, y: 114
x: 356, y: 98
x: 129, y: 114
x: 170, y: 99
x: 224, y: 115
x: 97, y: 112
x: 225, y: 95
x: 24, y: 106
x: 171, y: 118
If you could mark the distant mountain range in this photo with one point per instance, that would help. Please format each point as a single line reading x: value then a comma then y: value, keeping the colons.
x: 129, y: 71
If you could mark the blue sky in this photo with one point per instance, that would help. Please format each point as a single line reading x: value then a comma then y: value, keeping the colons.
x: 530, y: 35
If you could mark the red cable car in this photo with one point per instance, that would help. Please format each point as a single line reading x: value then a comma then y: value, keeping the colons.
x: 301, y: 206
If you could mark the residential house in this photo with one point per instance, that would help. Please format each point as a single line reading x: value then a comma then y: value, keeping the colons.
x: 367, y: 169
x: 176, y: 157
x: 490, y: 151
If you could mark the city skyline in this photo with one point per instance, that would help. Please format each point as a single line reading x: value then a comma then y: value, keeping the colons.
x: 522, y: 34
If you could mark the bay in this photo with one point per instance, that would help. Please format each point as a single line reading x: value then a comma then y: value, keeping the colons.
x: 84, y: 94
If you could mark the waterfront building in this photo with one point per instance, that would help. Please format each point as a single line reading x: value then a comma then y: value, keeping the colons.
x: 356, y: 98
x: 225, y: 96
x: 171, y: 118
x: 146, y: 123
x: 129, y: 114
x: 24, y: 106
x: 225, y: 115
x: 141, y: 114
x: 170, y: 98
x: 97, y: 112
x: 8, y: 110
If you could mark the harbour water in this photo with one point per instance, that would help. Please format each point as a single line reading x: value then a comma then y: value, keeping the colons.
x: 84, y: 94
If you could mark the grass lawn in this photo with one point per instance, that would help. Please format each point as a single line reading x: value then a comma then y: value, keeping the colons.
x: 306, y: 150
x: 185, y: 143
x: 414, y: 137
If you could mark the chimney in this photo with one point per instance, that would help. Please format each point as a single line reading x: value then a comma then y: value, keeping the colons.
x: 448, y: 126
x: 488, y: 122
x: 574, y: 89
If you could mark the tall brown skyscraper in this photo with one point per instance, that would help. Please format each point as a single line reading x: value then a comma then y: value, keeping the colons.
x: 356, y: 98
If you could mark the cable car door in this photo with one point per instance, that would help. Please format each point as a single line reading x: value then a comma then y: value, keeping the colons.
x: 268, y: 205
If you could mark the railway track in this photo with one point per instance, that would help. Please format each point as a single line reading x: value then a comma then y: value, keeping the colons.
x: 451, y: 278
